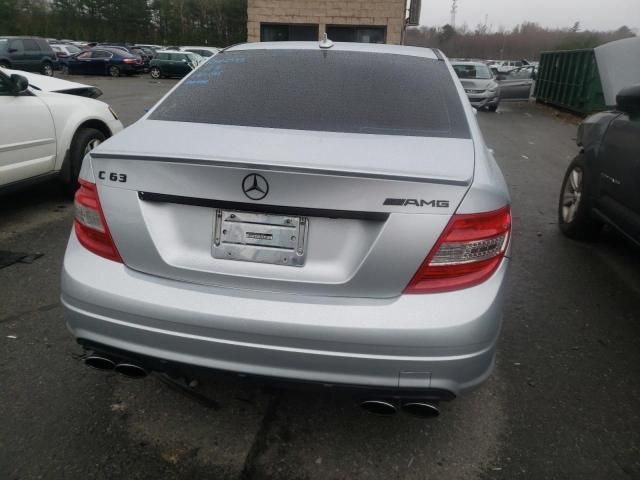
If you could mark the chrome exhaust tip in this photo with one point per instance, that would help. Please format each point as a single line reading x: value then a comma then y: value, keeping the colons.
x: 379, y: 407
x: 99, y: 362
x: 130, y: 370
x: 421, y: 409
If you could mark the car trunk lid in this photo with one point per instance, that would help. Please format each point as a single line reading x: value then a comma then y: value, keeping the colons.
x: 373, y: 205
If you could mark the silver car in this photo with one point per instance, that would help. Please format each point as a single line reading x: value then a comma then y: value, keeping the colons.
x: 479, y: 83
x: 310, y: 212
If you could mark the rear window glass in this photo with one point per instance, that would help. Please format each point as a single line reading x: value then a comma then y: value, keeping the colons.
x: 334, y: 91
x: 478, y: 72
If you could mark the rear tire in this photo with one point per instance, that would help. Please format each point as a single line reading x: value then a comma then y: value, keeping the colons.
x: 85, y: 140
x: 5, y: 64
x: 492, y: 108
x: 114, y: 71
x: 47, y: 69
x: 574, y: 206
x: 155, y: 73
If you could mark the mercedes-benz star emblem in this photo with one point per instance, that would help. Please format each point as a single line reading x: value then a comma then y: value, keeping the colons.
x: 255, y: 186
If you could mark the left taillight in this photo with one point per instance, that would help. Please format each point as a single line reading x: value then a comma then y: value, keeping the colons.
x: 90, y: 225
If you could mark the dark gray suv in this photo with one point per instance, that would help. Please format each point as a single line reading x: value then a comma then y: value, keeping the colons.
x: 31, y: 54
x: 602, y: 184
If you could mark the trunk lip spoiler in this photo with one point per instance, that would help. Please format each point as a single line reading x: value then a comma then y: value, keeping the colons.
x: 283, y: 168
x: 263, y: 208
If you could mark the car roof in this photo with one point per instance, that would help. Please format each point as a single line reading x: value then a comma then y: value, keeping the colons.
x: 201, y: 47
x: 340, y: 46
x: 119, y: 51
x: 172, y: 51
x: 467, y: 62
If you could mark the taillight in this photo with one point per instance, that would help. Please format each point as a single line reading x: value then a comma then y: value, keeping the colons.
x: 466, y: 254
x: 129, y: 60
x: 90, y: 224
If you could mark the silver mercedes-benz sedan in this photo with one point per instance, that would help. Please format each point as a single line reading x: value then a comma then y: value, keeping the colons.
x: 309, y: 212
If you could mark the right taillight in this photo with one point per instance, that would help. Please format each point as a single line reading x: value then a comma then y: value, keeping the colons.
x: 466, y: 254
x: 90, y: 224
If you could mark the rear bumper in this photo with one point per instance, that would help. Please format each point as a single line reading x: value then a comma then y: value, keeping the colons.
x: 443, y: 341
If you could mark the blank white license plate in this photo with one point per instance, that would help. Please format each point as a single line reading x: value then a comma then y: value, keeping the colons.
x: 260, y: 237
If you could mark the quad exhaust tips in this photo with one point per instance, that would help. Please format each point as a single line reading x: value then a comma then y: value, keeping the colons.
x: 417, y: 408
x: 379, y: 407
x: 99, y: 362
x: 421, y: 409
x: 103, y: 362
x: 130, y: 370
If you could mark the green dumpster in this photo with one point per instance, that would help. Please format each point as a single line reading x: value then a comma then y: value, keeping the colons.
x: 570, y: 79
x: 587, y: 81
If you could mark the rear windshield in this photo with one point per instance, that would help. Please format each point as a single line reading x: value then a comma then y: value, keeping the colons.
x: 479, y: 72
x: 333, y: 91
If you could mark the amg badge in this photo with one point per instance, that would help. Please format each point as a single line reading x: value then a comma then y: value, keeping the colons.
x: 416, y: 202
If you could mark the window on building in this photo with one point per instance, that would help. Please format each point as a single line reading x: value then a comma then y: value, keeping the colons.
x: 351, y: 33
x: 272, y: 32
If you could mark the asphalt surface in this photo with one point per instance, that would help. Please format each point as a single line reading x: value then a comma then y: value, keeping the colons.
x: 563, y: 401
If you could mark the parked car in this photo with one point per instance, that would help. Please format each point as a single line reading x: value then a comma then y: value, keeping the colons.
x: 479, y: 83
x: 517, y: 84
x: 49, y: 133
x: 103, y: 61
x: 137, y: 51
x: 507, y: 65
x: 31, y: 54
x: 205, y: 52
x: 65, y: 50
x: 261, y: 228
x: 169, y: 63
x: 153, y: 47
x: 602, y: 184
x: 52, y: 84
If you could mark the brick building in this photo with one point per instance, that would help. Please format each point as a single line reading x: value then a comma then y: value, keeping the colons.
x: 373, y: 21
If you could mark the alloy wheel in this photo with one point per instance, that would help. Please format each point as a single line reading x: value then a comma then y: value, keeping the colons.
x: 571, y: 195
x: 91, y: 145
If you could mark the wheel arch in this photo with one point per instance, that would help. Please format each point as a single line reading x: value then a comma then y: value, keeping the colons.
x: 65, y: 169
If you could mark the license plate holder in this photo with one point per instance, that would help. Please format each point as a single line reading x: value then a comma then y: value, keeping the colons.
x: 260, y: 237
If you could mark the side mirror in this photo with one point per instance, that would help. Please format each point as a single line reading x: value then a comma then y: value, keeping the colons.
x: 20, y: 83
x: 628, y: 99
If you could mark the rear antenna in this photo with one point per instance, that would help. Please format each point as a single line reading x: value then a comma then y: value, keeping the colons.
x: 325, y: 42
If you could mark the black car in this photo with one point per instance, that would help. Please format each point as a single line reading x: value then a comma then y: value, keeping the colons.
x: 602, y: 184
x: 31, y: 54
x: 138, y: 51
x: 103, y: 61
x: 173, y: 64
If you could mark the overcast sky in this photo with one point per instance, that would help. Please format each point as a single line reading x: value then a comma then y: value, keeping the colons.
x: 592, y: 14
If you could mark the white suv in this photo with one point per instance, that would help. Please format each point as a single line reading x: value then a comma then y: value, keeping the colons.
x: 46, y: 134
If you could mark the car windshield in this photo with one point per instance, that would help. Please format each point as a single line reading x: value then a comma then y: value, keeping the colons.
x: 334, y: 91
x: 73, y: 49
x: 475, y: 71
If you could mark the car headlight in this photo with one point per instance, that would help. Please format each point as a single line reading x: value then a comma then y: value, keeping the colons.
x: 115, y: 115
